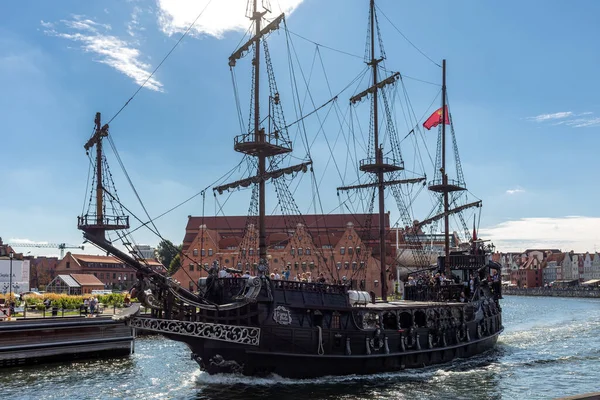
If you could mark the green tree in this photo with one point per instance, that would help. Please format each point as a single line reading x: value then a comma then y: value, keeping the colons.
x: 175, y: 264
x: 167, y: 251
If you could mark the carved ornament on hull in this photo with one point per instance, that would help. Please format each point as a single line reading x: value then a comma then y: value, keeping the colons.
x: 225, y: 333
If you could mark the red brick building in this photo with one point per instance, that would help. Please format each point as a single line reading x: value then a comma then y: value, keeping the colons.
x: 337, y: 245
x: 42, y: 271
x: 110, y: 271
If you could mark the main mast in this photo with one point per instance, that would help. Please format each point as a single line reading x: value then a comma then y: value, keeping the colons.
x: 378, y: 160
x: 262, y: 235
x: 378, y: 165
x: 258, y: 143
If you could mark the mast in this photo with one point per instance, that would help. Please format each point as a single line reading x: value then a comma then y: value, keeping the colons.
x: 99, y: 190
x: 98, y: 221
x: 378, y: 160
x: 445, y: 175
x: 260, y: 137
x: 258, y: 143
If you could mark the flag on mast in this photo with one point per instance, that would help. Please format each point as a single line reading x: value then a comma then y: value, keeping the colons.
x: 436, y: 118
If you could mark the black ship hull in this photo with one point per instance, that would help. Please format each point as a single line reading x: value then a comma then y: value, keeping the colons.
x: 306, y: 366
x: 310, y: 339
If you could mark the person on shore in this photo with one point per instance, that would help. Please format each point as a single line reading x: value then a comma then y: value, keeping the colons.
x: 93, y: 303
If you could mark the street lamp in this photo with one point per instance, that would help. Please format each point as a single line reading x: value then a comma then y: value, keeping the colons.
x: 11, y: 255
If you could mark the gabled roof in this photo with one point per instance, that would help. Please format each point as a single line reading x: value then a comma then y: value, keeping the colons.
x: 68, y: 280
x: 96, y: 259
x: 558, y: 257
x: 87, y: 280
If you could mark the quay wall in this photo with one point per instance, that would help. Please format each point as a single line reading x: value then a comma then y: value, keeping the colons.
x: 553, y: 292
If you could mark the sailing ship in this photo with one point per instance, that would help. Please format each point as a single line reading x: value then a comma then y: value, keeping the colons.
x: 257, y: 325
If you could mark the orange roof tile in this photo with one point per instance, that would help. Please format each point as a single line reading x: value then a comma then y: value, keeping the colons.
x: 96, y: 259
x: 87, y: 280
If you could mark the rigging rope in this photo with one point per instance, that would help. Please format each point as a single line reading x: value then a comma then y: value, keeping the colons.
x: 404, y: 36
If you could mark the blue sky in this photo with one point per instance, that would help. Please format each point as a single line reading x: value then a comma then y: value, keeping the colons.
x: 522, y: 84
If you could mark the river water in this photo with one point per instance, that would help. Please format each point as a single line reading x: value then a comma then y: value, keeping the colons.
x: 550, y: 348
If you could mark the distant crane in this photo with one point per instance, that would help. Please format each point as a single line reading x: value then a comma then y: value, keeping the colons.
x: 60, y: 246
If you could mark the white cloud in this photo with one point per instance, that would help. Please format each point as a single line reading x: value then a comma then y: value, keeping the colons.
x: 109, y: 49
x: 576, y: 233
x: 515, y: 191
x: 134, y: 24
x: 546, y: 117
x: 176, y: 16
x: 46, y: 24
x: 569, y: 118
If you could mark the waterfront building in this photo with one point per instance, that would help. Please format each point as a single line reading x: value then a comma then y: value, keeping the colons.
x: 42, y: 271
x: 145, y: 251
x: 346, y: 241
x: 111, y: 272
x: 595, y: 271
x: 552, y: 267
x: 75, y: 284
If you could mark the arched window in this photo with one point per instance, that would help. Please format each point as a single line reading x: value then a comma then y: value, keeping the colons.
x: 210, y: 252
x: 195, y: 252
x: 307, y: 252
x: 342, y: 250
x: 293, y: 251
x: 300, y: 251
x: 350, y: 251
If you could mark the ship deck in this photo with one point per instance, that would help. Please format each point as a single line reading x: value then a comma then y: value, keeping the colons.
x: 396, y: 304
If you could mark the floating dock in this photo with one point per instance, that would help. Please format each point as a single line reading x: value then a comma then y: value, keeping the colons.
x: 31, y: 341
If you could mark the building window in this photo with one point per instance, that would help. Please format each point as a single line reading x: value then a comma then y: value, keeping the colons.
x: 349, y: 237
x: 96, y: 274
x: 191, y: 267
x: 346, y: 265
x: 354, y: 265
x: 195, y: 252
x: 131, y: 277
x: 114, y: 275
x: 251, y: 252
x: 293, y: 251
x: 300, y: 251
x: 275, y: 260
x: 296, y: 265
x: 357, y: 250
x: 227, y: 261
x: 350, y: 251
x: 342, y: 250
x: 203, y: 252
x: 307, y: 251
x: 243, y: 252
x: 102, y: 275
x: 68, y: 264
x: 362, y: 265
x: 210, y: 252
x: 191, y: 286
x: 339, y: 265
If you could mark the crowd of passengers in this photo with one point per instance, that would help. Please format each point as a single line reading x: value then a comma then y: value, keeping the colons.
x: 285, y: 275
x: 438, y: 279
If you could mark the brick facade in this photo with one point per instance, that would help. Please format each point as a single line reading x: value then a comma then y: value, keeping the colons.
x: 336, y: 245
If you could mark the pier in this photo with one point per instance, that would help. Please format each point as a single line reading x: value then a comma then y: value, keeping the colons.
x: 30, y: 341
